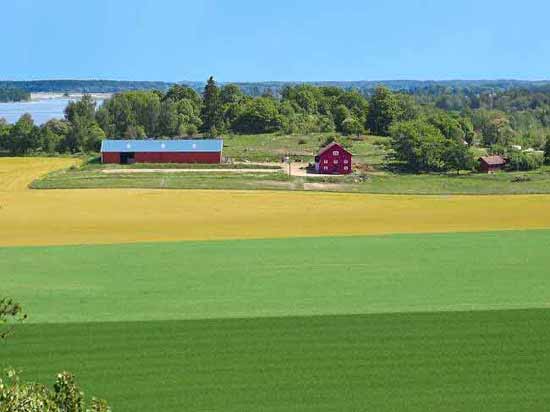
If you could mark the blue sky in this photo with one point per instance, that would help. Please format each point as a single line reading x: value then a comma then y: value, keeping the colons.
x: 245, y: 40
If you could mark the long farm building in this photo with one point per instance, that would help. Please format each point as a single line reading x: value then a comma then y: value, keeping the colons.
x: 162, y: 151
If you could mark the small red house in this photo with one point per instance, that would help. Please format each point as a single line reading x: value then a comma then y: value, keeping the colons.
x: 333, y: 159
x: 491, y: 164
x: 162, y: 151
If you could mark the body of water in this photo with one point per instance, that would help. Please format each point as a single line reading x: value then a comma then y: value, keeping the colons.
x: 40, y: 110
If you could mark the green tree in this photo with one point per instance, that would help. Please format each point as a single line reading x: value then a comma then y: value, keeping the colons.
x: 352, y: 126
x: 449, y: 126
x: 457, y: 156
x: 85, y: 134
x: 524, y: 161
x: 188, y: 116
x: 4, y: 134
x: 383, y: 111
x: 52, y: 134
x: 231, y: 93
x: 547, y: 151
x: 84, y: 109
x: 92, y: 138
x: 408, y: 109
x: 168, y: 119
x: 179, y: 92
x: 211, y: 113
x: 24, y: 136
x: 356, y: 103
x: 116, y: 116
x: 260, y: 115
x: 494, y: 127
x: 340, y: 113
x: 305, y: 98
x: 419, y: 145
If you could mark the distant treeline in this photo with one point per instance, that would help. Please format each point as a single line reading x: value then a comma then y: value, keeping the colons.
x: 10, y: 94
x: 82, y: 86
x: 430, y: 129
x: 417, y: 87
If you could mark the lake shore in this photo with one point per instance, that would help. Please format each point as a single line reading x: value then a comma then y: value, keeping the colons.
x: 50, y: 96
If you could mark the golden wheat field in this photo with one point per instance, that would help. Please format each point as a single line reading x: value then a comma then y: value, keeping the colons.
x: 56, y: 217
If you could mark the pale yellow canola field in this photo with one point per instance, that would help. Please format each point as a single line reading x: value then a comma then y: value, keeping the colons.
x: 57, y: 217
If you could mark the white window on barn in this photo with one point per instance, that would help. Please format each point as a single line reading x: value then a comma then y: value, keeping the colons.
x: 325, y: 168
x: 325, y: 161
x: 335, y: 161
x: 336, y: 153
x: 346, y: 168
x: 346, y: 161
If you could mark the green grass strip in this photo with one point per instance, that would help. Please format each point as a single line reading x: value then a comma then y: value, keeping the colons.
x: 462, y: 361
x: 285, y: 277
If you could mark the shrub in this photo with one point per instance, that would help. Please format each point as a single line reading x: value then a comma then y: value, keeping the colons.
x: 328, y: 140
x: 66, y: 396
x: 522, y: 161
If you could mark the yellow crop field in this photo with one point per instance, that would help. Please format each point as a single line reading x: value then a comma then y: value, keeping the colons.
x: 56, y: 217
x: 17, y: 172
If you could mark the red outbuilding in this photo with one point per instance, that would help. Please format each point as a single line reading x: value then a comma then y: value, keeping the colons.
x: 491, y: 164
x: 333, y: 159
x: 162, y: 151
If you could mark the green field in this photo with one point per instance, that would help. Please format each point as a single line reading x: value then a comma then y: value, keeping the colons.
x: 401, y: 322
x: 463, y: 361
x: 94, y: 179
x: 536, y: 182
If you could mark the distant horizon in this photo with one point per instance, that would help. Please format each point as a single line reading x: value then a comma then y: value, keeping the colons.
x: 503, y: 79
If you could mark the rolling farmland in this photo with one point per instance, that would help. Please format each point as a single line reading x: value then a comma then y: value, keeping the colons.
x: 205, y: 300
x: 97, y: 216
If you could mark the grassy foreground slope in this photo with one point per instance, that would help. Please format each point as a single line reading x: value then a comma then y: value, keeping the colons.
x: 287, y: 277
x: 464, y: 361
x: 292, y: 324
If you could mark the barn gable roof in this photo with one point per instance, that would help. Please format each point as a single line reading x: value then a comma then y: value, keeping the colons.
x: 493, y: 160
x: 162, y: 146
x: 330, y: 146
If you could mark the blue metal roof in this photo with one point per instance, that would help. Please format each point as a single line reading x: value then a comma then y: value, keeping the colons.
x: 150, y: 145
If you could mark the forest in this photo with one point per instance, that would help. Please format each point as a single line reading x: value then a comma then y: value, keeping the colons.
x: 434, y: 128
x: 10, y: 94
x: 256, y: 89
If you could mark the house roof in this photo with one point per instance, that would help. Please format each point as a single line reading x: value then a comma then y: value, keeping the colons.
x: 162, y: 146
x: 493, y: 160
x: 330, y: 146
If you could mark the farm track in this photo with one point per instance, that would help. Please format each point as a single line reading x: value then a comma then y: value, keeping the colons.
x: 95, y: 216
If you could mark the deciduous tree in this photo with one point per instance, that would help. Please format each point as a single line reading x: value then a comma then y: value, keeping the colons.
x: 383, y: 111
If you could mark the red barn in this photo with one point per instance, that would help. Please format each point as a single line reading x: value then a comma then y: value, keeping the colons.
x: 333, y: 159
x: 491, y: 164
x: 162, y: 151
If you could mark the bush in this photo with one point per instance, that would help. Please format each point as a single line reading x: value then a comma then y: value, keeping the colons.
x: 521, y: 179
x: 66, y: 396
x: 522, y: 161
x: 328, y: 140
